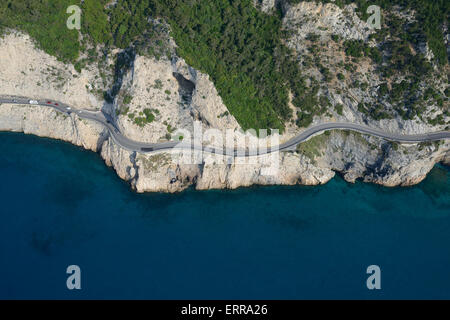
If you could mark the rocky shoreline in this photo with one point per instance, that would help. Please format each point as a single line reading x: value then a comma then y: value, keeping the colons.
x: 176, y: 95
x: 349, y: 154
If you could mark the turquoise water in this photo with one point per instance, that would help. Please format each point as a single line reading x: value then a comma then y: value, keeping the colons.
x: 61, y: 206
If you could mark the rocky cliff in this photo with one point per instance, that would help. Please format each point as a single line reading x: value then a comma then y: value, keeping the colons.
x: 156, y: 98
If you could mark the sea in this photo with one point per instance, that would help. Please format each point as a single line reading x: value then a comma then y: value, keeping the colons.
x: 62, y: 206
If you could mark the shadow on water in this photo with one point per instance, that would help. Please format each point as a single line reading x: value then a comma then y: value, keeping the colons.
x: 155, y: 207
x: 167, y: 207
x: 66, y: 194
x: 293, y: 221
x: 41, y: 242
x: 77, y: 207
x: 436, y: 185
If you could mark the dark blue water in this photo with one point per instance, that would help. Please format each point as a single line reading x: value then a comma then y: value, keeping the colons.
x: 61, y: 205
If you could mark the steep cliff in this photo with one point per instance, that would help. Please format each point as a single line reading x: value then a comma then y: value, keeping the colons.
x: 152, y: 100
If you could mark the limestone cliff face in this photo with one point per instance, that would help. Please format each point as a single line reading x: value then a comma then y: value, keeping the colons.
x: 46, y: 122
x: 182, y: 95
x: 26, y: 71
x: 374, y: 160
x: 354, y: 155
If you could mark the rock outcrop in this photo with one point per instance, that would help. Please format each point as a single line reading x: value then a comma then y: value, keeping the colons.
x: 159, y: 97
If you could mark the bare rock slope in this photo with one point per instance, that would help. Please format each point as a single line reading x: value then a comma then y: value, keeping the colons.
x: 159, y: 97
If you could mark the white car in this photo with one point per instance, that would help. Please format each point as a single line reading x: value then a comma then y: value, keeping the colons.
x: 33, y: 102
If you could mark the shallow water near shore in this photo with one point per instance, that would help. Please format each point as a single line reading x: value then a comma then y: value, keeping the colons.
x: 62, y: 206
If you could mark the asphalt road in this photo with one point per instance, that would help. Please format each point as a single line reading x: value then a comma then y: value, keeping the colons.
x: 137, y: 146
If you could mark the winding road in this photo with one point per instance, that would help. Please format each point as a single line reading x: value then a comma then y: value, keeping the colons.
x: 290, y: 145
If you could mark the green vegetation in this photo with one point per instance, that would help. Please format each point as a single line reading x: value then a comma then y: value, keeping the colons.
x: 398, y: 47
x: 362, y: 108
x: 339, y: 109
x: 312, y: 37
x: 354, y: 48
x: 423, y: 145
x: 240, y: 47
x: 123, y: 111
x: 335, y: 37
x: 313, y: 147
x: 144, y: 117
x: 309, y: 105
x: 394, y: 145
x: 127, y: 99
x: 358, y: 49
x: 95, y: 21
x: 158, y: 84
x: 171, y: 129
x: 237, y: 45
x: 223, y: 114
x: 431, y: 14
x: 45, y: 21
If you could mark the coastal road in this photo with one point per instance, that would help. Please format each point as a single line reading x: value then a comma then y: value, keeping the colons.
x: 290, y: 145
